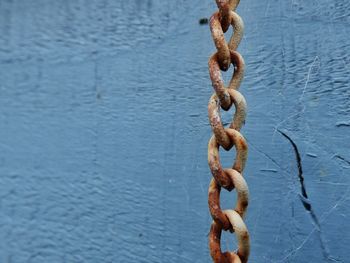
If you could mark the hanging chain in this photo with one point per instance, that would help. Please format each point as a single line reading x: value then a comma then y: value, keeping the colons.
x: 224, y: 97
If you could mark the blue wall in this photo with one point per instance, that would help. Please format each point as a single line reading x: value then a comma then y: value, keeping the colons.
x: 104, y: 130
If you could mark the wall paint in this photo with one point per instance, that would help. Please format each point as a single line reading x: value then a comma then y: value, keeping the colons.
x: 104, y: 130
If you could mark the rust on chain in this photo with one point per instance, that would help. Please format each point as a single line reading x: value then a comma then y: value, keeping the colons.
x: 217, y: 81
x: 238, y: 61
x: 215, y: 249
x: 214, y: 158
x: 223, y: 98
x: 242, y: 234
x: 215, y: 117
x: 214, y: 198
x: 225, y: 6
x: 217, y: 33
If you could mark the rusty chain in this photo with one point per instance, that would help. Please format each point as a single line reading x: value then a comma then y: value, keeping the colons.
x: 224, y: 97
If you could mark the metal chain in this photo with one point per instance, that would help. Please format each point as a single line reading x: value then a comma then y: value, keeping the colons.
x: 224, y: 97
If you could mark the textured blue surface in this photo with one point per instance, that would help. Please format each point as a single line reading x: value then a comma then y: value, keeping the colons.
x: 104, y: 130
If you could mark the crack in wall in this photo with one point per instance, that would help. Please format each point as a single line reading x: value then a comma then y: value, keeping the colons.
x: 304, y: 198
x: 306, y: 201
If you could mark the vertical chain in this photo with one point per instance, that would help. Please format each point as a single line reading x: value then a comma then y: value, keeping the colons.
x: 224, y: 97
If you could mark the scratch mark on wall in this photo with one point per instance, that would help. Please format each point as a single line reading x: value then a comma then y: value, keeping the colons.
x: 306, y: 201
x: 300, y: 112
x: 324, y: 216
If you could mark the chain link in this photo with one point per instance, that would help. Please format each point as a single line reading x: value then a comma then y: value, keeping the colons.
x: 224, y: 97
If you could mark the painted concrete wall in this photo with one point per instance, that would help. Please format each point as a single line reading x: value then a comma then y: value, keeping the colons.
x: 104, y: 130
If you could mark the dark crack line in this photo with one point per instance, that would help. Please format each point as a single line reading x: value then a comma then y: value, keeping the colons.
x: 341, y: 158
x: 306, y: 201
